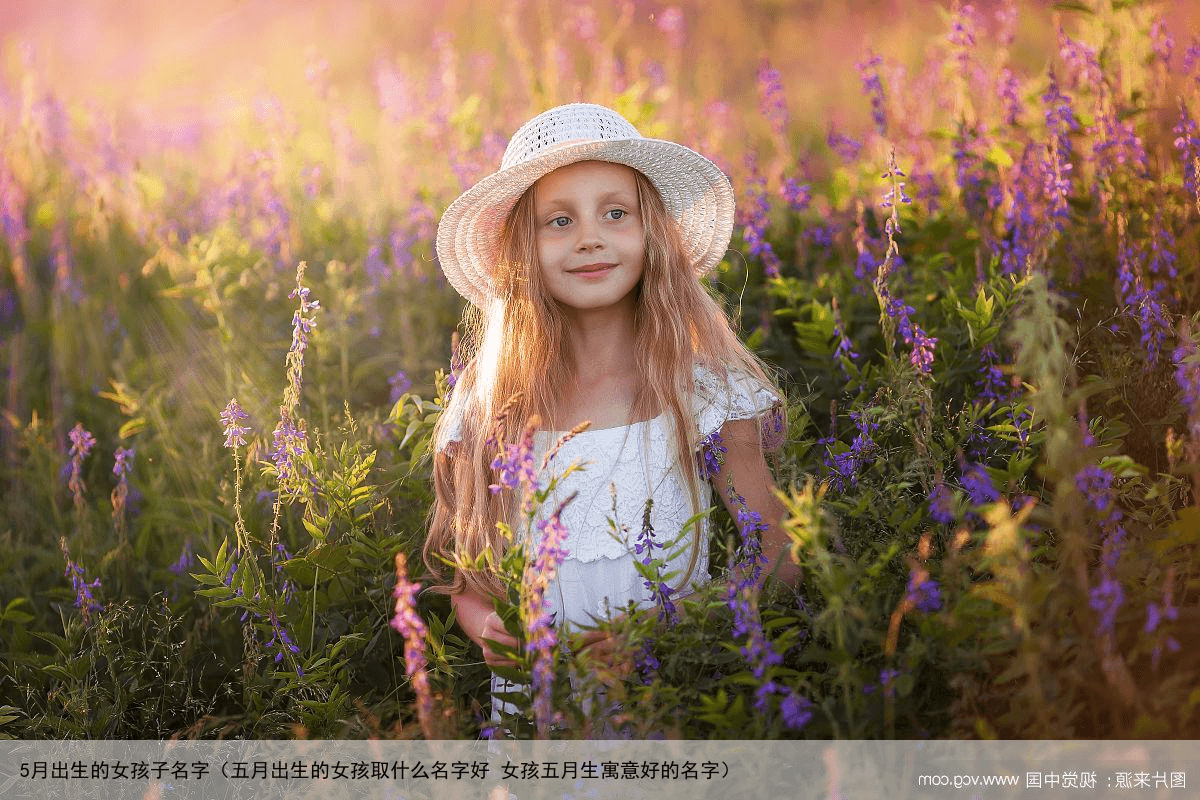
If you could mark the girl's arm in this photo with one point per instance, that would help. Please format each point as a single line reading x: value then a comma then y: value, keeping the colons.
x: 744, y: 463
x: 479, y: 621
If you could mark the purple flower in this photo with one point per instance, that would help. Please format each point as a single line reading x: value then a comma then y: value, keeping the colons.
x: 408, y: 623
x: 1187, y: 372
x: 749, y: 557
x: 1162, y: 41
x: 772, y: 103
x: 797, y: 196
x: 540, y: 634
x: 399, y: 384
x: 232, y: 418
x: 85, y: 600
x: 923, y: 345
x: 1060, y: 124
x: 302, y: 321
x: 279, y: 557
x: 1096, y: 485
x: 1143, y: 298
x: 941, y: 504
x: 969, y: 140
x: 1191, y: 58
x: 186, y: 559
x: 928, y: 191
x: 289, y: 454
x: 660, y: 592
x: 123, y: 462
x: 1106, y: 598
x: 771, y: 427
x: 82, y: 443
x: 1156, y: 614
x: 846, y: 464
x: 280, y: 641
x: 978, y: 484
x: 991, y: 383
x: 1187, y: 142
x: 1008, y: 90
x: 1082, y: 65
x: 123, y: 465
x: 845, y: 348
x: 12, y: 210
x: 845, y: 147
x: 755, y: 218
x: 712, y: 455
x: 646, y: 662
x: 1026, y: 228
x: 376, y: 268
x: 868, y: 71
x: 1006, y: 19
x: 1163, y: 255
x: 923, y: 592
x: 962, y: 33
x: 796, y: 710
x: 515, y: 464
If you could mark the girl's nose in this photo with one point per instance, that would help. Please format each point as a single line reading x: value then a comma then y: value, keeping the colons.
x: 589, y: 237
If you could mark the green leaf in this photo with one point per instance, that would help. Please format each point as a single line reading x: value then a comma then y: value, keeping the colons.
x: 14, y: 615
x: 328, y: 558
x: 317, y: 533
x: 1074, y: 5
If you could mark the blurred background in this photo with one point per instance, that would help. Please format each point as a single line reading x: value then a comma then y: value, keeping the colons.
x: 175, y: 57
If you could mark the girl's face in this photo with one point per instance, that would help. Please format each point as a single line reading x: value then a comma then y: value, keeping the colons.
x: 589, y: 234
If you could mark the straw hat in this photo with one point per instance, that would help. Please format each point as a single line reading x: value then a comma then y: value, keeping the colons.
x: 694, y: 190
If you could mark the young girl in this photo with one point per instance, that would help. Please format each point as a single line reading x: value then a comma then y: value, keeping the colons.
x: 581, y: 258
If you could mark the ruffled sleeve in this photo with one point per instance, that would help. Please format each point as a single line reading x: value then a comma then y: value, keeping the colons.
x: 450, y: 431
x: 743, y: 397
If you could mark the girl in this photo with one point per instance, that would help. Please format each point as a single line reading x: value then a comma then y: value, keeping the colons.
x: 581, y: 258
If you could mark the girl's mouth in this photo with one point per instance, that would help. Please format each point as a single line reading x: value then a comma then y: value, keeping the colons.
x: 592, y: 270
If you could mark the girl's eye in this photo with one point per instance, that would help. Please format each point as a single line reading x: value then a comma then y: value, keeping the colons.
x: 560, y: 222
x: 617, y: 213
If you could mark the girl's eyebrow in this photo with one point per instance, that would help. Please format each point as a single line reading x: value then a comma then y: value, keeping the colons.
x: 616, y: 195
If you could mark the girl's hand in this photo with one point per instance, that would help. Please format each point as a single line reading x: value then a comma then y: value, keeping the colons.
x: 481, y: 623
x: 493, y: 631
x: 606, y: 654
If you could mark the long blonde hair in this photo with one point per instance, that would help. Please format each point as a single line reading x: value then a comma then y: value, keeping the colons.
x: 518, y: 353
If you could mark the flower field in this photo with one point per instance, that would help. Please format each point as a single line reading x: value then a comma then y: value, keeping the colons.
x: 967, y: 240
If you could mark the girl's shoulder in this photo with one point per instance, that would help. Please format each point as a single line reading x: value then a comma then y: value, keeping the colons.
x: 718, y: 396
x: 729, y: 394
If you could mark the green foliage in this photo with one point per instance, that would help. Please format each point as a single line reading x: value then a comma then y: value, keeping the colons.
x: 999, y: 542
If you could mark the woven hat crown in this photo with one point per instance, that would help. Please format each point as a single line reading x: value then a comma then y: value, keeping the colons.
x: 565, y: 125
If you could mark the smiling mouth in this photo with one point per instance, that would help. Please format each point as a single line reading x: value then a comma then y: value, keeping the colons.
x: 591, y: 269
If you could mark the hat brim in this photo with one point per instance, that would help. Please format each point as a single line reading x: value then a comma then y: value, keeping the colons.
x: 694, y: 190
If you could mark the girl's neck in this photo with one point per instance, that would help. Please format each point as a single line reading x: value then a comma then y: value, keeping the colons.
x: 605, y: 385
x: 602, y: 344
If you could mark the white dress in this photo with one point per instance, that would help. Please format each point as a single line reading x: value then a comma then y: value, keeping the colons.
x: 597, y: 579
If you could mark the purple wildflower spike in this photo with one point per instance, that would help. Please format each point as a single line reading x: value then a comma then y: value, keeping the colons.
x: 231, y: 419
x: 408, y: 623
x: 540, y: 633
